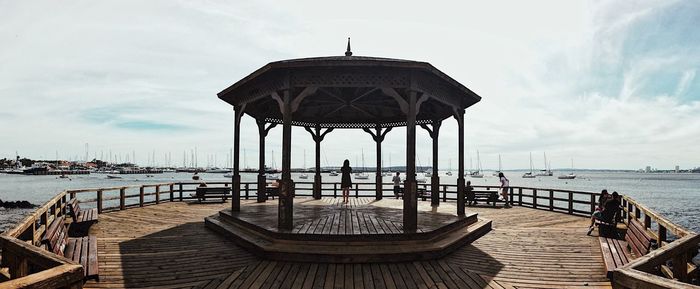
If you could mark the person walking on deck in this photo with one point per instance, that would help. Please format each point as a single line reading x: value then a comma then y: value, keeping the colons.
x: 504, y: 188
x: 397, y: 184
x: 345, y: 180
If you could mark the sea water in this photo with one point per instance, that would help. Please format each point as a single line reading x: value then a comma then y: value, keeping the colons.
x: 675, y: 196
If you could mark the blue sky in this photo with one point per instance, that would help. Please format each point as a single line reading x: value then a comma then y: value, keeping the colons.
x: 611, y: 84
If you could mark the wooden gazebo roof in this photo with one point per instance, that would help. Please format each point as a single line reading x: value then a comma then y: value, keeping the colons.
x: 349, y: 91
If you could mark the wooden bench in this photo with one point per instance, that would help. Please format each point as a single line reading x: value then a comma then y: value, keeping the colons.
x: 82, y: 219
x: 421, y: 193
x: 81, y: 250
x: 204, y: 193
x: 488, y: 196
x: 271, y: 191
x: 616, y: 252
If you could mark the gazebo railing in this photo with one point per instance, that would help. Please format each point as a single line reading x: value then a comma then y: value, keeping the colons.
x: 662, y: 268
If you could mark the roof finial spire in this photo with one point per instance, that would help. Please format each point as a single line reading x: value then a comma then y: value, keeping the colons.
x: 348, y: 52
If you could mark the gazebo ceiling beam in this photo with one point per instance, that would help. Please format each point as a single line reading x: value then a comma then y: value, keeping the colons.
x: 364, y: 94
x: 333, y: 95
x: 335, y: 110
x: 303, y: 94
x: 390, y: 91
x: 363, y: 111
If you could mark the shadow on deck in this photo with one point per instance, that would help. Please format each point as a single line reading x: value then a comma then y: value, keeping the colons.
x: 168, y: 246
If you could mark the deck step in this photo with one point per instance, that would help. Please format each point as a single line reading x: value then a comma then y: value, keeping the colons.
x: 349, y: 251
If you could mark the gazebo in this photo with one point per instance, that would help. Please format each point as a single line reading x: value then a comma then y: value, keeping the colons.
x: 348, y: 92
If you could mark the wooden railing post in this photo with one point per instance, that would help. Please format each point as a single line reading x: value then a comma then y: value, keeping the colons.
x: 593, y: 203
x: 99, y: 201
x: 571, y: 203
x: 157, y: 194
x: 141, y: 196
x: 534, y: 198
x: 512, y: 196
x: 172, y: 195
x: 629, y: 212
x: 520, y: 196
x: 444, y: 193
x: 335, y: 190
x: 647, y: 221
x: 356, y: 189
x: 247, y: 191
x: 180, y: 185
x: 72, y: 195
x: 680, y: 267
x: 661, y: 234
x: 551, y: 200
x: 122, y: 196
x: 637, y: 213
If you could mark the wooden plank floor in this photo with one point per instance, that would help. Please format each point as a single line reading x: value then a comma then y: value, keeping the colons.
x: 167, y: 246
x: 330, y: 216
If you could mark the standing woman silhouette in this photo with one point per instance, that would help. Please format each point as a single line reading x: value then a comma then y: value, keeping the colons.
x: 345, y: 180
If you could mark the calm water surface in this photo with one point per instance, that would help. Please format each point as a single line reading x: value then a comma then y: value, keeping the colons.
x: 676, y: 196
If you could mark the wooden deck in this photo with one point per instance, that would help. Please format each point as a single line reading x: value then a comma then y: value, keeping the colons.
x: 167, y: 246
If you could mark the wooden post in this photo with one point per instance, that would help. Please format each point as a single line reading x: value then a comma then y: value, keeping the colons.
x: 180, y: 189
x: 317, y: 173
x: 661, y: 234
x: 680, y: 267
x: 141, y: 196
x: 335, y: 190
x: 285, y: 206
x: 551, y: 200
x: 593, y: 203
x: 571, y: 203
x: 647, y: 221
x: 434, y: 133
x: 99, y: 202
x: 157, y: 194
x: 459, y: 115
x: 247, y: 193
x: 317, y: 136
x: 444, y: 193
x: 172, y: 195
x: 520, y: 196
x: 122, y: 201
x: 262, y: 181
x: 534, y: 198
x: 378, y: 174
x: 410, y: 203
x: 357, y: 188
x: 236, y: 182
x: 512, y: 196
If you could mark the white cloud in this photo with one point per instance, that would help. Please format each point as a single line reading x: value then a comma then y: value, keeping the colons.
x: 555, y: 76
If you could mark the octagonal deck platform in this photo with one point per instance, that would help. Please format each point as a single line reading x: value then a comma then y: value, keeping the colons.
x: 168, y: 246
x: 361, y: 231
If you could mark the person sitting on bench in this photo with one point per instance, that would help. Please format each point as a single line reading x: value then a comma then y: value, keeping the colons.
x: 604, y: 196
x: 469, y: 191
x: 610, y: 209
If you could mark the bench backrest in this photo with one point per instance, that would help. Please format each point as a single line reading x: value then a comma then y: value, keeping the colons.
x: 638, y: 239
x: 74, y: 208
x: 56, y: 236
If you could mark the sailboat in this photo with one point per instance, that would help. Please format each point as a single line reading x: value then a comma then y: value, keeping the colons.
x: 496, y: 173
x: 362, y: 175
x: 304, y: 175
x: 529, y: 175
x: 272, y: 175
x: 419, y: 179
x: 426, y: 173
x: 477, y: 173
x: 571, y: 175
x: 547, y: 171
x: 449, y: 172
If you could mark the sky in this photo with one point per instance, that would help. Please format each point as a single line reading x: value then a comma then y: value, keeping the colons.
x: 605, y: 84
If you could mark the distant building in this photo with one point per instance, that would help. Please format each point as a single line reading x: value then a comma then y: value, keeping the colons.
x: 648, y: 169
x: 678, y: 169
